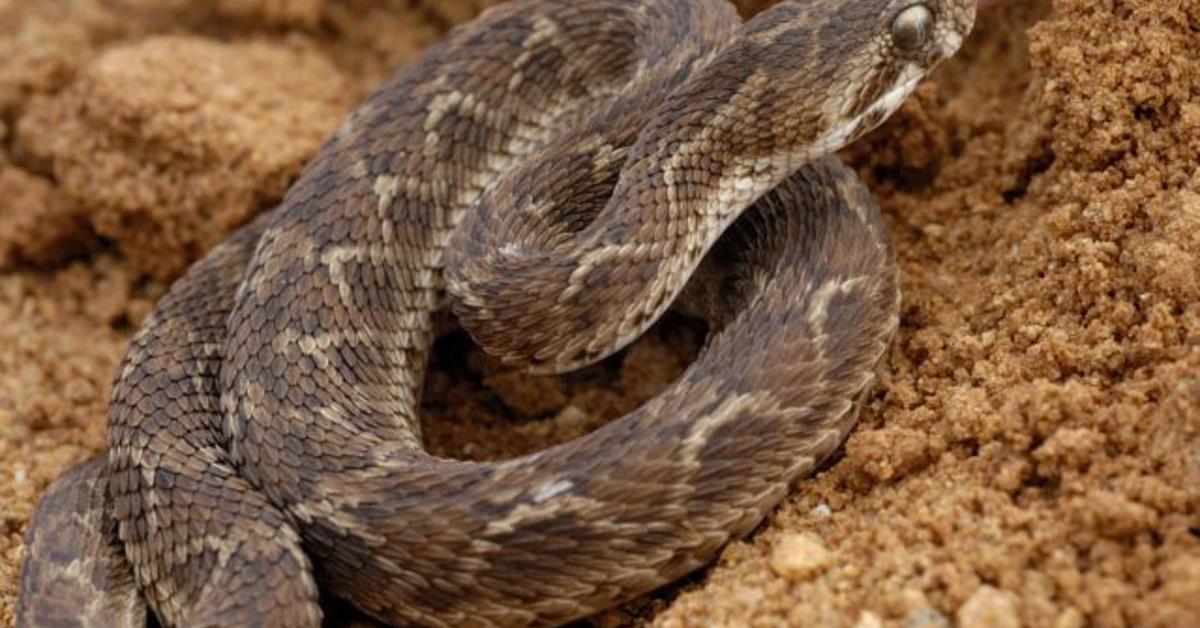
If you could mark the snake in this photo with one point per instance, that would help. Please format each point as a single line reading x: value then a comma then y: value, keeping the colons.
x: 557, y: 174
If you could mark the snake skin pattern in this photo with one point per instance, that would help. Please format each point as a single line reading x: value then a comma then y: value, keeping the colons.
x: 554, y: 173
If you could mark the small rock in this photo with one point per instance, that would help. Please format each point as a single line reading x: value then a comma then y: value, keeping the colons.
x: 988, y: 607
x: 918, y: 612
x: 926, y: 617
x: 1070, y: 618
x: 799, y: 556
x: 869, y: 620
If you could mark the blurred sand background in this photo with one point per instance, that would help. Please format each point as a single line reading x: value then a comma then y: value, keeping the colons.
x: 1032, y: 458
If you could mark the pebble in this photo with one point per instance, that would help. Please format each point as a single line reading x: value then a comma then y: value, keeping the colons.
x: 869, y: 620
x: 988, y: 607
x: 799, y: 556
x: 926, y: 617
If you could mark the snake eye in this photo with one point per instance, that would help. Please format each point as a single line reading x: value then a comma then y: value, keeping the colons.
x: 912, y: 27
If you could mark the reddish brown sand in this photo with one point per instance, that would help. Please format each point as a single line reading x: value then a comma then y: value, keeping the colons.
x: 1032, y: 458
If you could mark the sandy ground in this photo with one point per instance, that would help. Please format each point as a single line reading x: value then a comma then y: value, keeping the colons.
x: 1032, y: 457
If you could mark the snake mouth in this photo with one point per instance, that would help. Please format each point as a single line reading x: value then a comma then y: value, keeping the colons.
x: 874, y: 113
x: 887, y: 103
x: 890, y: 101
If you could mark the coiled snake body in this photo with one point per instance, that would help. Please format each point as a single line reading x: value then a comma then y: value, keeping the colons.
x: 555, y: 172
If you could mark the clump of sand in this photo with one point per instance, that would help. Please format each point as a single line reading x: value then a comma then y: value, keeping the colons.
x: 1032, y: 457
x: 168, y: 143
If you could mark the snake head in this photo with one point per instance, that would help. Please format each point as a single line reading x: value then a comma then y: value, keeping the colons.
x: 899, y: 42
x: 849, y: 64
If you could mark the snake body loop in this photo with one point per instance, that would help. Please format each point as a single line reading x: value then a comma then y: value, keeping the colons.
x: 557, y: 173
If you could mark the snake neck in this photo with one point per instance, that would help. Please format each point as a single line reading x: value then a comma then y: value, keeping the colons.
x: 648, y: 185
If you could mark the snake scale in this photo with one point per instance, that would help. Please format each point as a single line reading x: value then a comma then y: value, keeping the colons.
x: 557, y: 173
